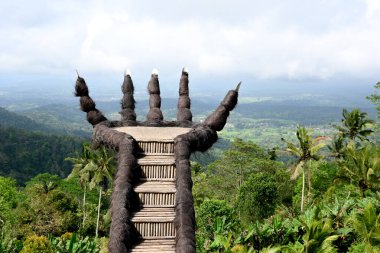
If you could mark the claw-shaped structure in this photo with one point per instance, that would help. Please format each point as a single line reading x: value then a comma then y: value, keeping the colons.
x: 152, y: 204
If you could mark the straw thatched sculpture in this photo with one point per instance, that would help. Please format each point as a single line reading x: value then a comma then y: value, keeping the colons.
x: 125, y: 201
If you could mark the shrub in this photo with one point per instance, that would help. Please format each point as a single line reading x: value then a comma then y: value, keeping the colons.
x: 257, y: 197
x: 37, y: 244
x: 209, y: 212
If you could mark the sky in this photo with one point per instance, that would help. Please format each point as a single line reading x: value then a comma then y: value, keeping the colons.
x: 220, y: 42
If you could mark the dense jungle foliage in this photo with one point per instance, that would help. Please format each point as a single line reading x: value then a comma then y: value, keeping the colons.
x: 315, y: 193
x: 25, y: 154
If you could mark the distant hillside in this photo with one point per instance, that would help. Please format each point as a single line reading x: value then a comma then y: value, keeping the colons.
x: 302, y: 114
x: 50, y: 119
x: 24, y: 154
x: 61, y: 119
x: 11, y: 119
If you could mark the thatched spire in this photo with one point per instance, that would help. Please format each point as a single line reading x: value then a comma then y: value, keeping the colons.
x: 218, y: 118
x: 184, y: 103
x: 128, y: 101
x: 94, y: 116
x: 154, y: 113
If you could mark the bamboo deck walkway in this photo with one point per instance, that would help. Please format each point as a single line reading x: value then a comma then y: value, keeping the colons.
x: 155, y: 220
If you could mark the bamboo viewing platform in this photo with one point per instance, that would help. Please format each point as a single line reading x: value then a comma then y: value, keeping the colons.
x: 152, y: 207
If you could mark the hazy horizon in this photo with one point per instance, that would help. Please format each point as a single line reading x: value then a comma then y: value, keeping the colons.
x: 277, y: 49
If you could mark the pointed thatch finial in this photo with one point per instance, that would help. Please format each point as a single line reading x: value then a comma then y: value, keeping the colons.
x: 238, y: 87
x: 155, y: 113
x: 127, y: 72
x: 94, y: 116
x: 184, y: 103
x: 81, y: 88
x: 77, y: 73
x: 128, y: 100
x: 155, y: 72
x: 218, y: 118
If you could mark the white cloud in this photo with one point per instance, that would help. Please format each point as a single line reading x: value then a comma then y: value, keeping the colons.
x: 291, y: 39
x: 373, y: 8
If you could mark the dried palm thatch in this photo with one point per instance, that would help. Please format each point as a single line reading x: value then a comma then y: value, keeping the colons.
x: 122, y: 232
x: 81, y: 88
x: 201, y: 138
x: 124, y: 200
x: 153, y: 85
x: 128, y: 101
x: 127, y: 86
x: 128, y: 114
x: 185, y: 216
x: 184, y: 113
x: 155, y: 113
x: 218, y: 118
x: 87, y: 104
x: 184, y: 83
x: 154, y: 101
x: 94, y: 116
x: 184, y: 102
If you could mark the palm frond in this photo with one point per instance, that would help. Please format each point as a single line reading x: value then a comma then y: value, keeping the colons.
x: 298, y: 169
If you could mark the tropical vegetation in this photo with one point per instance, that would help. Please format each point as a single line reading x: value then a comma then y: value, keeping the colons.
x: 315, y: 193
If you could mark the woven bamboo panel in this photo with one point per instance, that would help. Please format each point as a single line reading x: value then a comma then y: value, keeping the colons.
x: 155, y: 229
x: 158, y: 172
x: 154, y: 147
x: 152, y: 199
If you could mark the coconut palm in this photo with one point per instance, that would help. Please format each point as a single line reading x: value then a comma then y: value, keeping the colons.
x: 362, y: 167
x: 319, y: 234
x: 102, y: 169
x: 305, y: 151
x: 337, y: 147
x: 44, y: 183
x: 338, y: 210
x: 355, y: 125
x: 366, y: 226
x: 82, y: 171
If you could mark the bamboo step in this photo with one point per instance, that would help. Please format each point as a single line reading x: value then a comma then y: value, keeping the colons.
x: 156, y: 160
x: 154, y: 215
x: 156, y: 194
x: 156, y: 187
x: 164, y: 246
x: 155, y: 230
x: 157, y: 168
x: 155, y: 223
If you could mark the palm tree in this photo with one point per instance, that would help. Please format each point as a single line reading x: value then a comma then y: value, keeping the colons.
x: 319, y: 234
x: 102, y: 167
x: 338, y: 210
x: 306, y: 151
x: 44, y: 183
x: 337, y: 147
x: 362, y: 167
x: 355, y: 125
x: 82, y: 171
x: 366, y: 226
